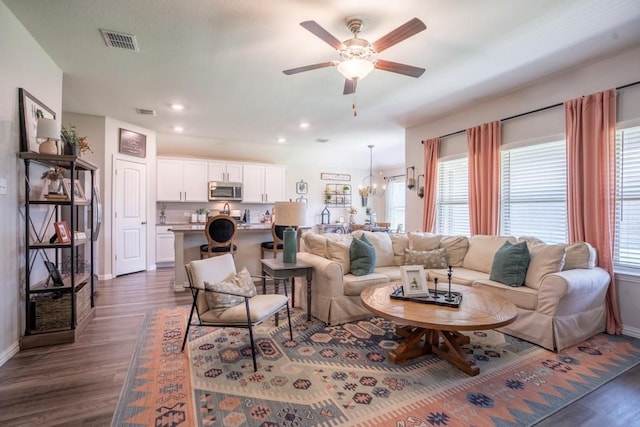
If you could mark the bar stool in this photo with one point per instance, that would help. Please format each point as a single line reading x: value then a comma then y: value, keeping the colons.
x: 220, y: 232
x: 277, y: 245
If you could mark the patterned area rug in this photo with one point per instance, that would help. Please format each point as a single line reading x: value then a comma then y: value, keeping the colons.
x: 341, y: 375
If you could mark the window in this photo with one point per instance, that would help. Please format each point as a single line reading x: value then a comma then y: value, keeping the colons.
x: 533, y: 195
x: 452, y: 203
x: 395, y: 201
x: 626, y: 252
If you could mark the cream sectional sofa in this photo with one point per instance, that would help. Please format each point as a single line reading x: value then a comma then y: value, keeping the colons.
x: 561, y: 303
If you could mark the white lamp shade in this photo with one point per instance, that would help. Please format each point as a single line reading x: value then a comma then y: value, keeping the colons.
x: 355, y: 68
x: 48, y: 129
x: 291, y: 213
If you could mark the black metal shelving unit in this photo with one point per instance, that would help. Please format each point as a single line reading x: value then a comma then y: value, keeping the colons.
x: 78, y: 288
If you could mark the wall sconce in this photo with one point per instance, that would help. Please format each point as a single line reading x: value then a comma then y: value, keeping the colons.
x: 411, y: 179
x: 421, y: 187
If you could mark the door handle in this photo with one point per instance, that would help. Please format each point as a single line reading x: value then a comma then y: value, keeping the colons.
x: 144, y: 223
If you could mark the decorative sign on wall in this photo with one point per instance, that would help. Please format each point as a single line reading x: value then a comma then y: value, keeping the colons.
x: 132, y: 143
x: 335, y: 176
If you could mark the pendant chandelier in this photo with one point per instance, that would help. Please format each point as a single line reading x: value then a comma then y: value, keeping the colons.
x: 369, y: 186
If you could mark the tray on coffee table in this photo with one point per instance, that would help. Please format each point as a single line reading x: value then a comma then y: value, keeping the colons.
x: 439, y: 298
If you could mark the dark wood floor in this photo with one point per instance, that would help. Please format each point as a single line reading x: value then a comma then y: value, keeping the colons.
x: 79, y: 384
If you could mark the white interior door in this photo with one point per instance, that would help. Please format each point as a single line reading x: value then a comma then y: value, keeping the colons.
x: 130, y: 217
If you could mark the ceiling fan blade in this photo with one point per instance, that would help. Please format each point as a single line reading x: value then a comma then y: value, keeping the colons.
x: 323, y: 34
x: 404, y: 31
x: 395, y: 67
x: 310, y: 67
x: 349, y: 86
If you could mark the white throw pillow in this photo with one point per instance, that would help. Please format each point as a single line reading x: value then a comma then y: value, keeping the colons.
x: 315, y: 244
x: 457, y: 247
x: 481, y: 251
x: 580, y: 255
x: 545, y: 259
x: 339, y: 252
x: 240, y: 283
x: 423, y: 241
x: 382, y: 244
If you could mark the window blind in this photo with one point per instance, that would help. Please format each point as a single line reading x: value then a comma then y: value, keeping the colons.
x: 452, y: 200
x: 627, y: 239
x: 533, y: 197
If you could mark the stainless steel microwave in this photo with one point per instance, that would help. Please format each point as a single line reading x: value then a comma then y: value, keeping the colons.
x: 225, y: 191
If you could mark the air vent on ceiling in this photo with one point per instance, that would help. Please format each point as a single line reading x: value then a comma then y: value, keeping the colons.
x: 322, y: 140
x: 146, y: 111
x: 120, y: 40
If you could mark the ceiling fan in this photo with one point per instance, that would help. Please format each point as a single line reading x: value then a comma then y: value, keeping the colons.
x: 358, y: 54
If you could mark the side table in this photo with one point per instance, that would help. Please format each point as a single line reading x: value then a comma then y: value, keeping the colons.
x: 276, y: 268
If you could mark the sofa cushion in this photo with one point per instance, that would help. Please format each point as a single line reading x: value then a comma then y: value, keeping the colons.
x: 362, y: 256
x: 580, y: 255
x: 240, y: 283
x: 436, y: 258
x: 510, y: 264
x: 399, y: 242
x: 482, y: 248
x: 340, y: 253
x: 423, y: 241
x: 460, y: 275
x: 545, y: 259
x: 315, y: 243
x: 522, y: 296
x: 354, y: 285
x: 393, y: 273
x: 456, y: 247
x: 383, y: 246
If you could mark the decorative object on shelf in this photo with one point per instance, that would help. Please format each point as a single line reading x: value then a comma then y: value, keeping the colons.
x: 411, y: 178
x: 421, y: 187
x: 30, y: 110
x: 337, y: 195
x: 325, y: 216
x: 352, y: 215
x: 54, y: 178
x: 369, y: 187
x: 74, y: 145
x: 414, y: 281
x: 75, y: 187
x: 62, y: 231
x: 290, y: 214
x: 163, y: 216
x: 132, y: 143
x: 302, y: 187
x: 49, y: 130
x: 335, y: 176
x: 54, y: 274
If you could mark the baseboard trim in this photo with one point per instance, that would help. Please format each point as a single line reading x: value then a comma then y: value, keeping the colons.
x: 9, y: 353
x: 105, y: 276
x: 630, y: 331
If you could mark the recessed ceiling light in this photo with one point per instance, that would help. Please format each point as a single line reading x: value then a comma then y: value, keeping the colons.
x: 177, y: 107
x: 178, y: 128
x: 304, y: 125
x: 281, y: 140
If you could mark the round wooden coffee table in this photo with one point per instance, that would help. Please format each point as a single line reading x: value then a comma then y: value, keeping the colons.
x: 440, y: 326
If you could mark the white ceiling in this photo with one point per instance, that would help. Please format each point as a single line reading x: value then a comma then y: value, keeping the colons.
x: 223, y: 59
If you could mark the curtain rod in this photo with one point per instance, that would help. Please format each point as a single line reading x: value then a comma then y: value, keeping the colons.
x: 530, y: 112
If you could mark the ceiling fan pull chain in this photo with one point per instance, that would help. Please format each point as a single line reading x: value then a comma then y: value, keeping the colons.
x: 353, y: 107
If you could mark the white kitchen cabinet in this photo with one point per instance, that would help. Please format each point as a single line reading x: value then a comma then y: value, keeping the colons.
x: 181, y: 180
x: 263, y: 183
x: 225, y: 171
x: 165, y: 239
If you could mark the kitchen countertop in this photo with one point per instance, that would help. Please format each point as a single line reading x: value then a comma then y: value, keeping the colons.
x: 200, y: 227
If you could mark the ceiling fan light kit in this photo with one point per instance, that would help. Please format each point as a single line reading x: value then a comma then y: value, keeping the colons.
x: 357, y: 54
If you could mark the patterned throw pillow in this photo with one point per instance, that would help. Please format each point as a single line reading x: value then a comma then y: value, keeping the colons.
x: 436, y: 258
x: 363, y: 256
x: 240, y: 283
x: 510, y: 264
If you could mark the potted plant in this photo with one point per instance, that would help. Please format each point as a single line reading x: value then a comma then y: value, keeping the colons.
x: 74, y: 144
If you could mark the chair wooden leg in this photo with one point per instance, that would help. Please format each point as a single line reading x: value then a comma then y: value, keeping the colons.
x: 193, y: 307
x: 289, y: 319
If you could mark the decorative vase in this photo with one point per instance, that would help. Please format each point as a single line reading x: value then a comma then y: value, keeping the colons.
x: 71, y: 149
x: 55, y: 186
x: 364, y: 200
x: 48, y: 147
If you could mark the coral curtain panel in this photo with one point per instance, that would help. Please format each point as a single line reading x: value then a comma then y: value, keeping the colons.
x: 591, y: 135
x: 430, y: 184
x: 484, y: 178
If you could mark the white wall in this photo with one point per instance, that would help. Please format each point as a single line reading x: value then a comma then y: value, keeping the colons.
x: 614, y: 71
x: 24, y: 64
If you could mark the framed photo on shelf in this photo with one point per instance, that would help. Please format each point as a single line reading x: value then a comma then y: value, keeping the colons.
x: 62, y: 231
x: 30, y: 109
x: 76, y: 187
x: 302, y: 187
x: 54, y: 273
x: 414, y: 281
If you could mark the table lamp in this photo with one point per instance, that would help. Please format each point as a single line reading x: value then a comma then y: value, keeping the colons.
x: 290, y: 214
x: 48, y: 129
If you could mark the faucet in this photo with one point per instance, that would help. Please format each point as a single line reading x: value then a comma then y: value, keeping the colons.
x: 226, y: 210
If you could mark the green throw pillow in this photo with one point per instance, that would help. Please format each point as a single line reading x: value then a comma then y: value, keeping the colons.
x: 510, y: 264
x: 362, y: 256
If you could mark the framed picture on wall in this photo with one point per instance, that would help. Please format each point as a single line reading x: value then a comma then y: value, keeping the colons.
x: 132, y: 143
x: 302, y: 187
x: 30, y: 108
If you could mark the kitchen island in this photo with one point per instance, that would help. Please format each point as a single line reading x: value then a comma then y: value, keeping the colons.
x: 188, y: 239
